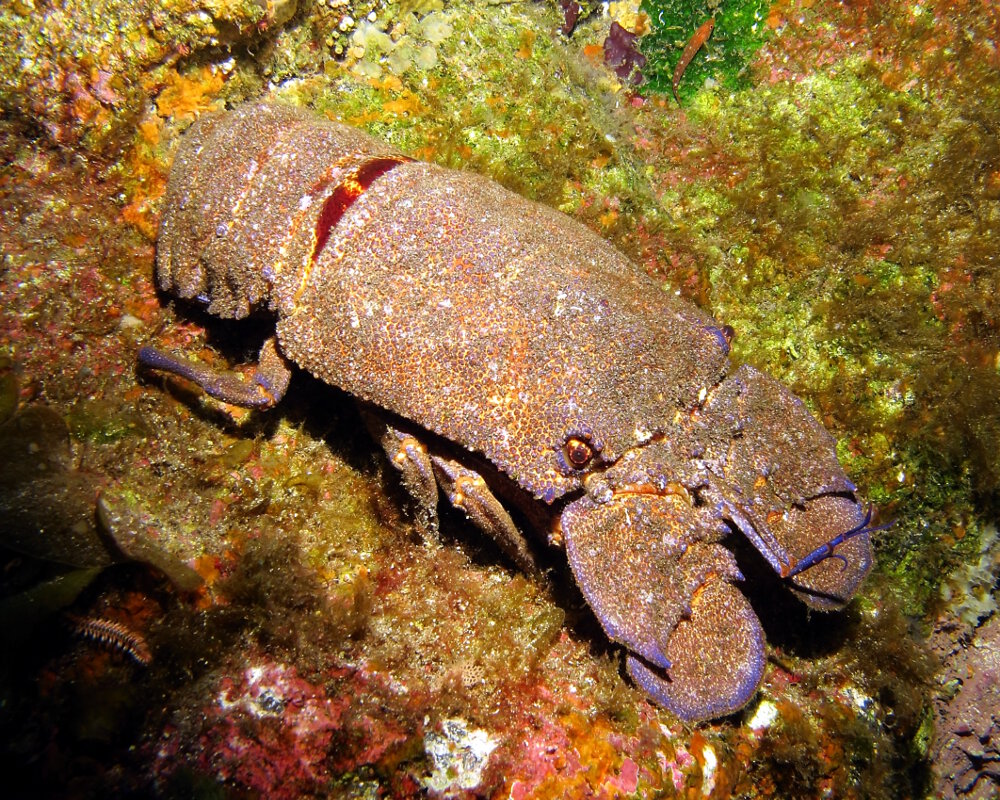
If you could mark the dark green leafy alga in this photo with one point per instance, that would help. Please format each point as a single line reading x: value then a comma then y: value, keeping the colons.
x: 740, y: 29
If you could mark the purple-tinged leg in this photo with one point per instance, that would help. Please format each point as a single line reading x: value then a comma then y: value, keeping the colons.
x: 269, y: 384
x: 826, y: 550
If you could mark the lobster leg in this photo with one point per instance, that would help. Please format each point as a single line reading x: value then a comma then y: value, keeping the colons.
x: 268, y: 386
x: 408, y: 455
x: 466, y: 490
x: 423, y: 473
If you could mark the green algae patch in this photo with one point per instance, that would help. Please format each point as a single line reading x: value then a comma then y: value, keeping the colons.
x: 739, y: 31
x: 463, y: 633
x: 103, y: 421
x: 519, y: 114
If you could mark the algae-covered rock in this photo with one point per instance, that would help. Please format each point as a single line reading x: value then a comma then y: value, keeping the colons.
x: 82, y: 71
x: 47, y: 505
x: 134, y: 532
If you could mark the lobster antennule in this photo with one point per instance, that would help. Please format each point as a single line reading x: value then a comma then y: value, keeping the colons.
x: 826, y: 550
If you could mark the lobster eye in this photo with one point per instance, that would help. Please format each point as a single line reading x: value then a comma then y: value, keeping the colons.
x: 578, y: 452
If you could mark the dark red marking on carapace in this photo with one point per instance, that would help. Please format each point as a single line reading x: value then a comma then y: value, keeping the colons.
x: 346, y: 192
x: 693, y: 46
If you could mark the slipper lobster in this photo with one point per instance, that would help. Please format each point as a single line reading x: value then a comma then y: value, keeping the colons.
x: 510, y: 358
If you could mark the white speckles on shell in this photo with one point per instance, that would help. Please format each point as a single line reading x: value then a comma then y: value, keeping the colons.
x: 641, y: 434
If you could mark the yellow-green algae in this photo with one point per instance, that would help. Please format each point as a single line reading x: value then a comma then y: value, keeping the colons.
x: 82, y: 70
x: 827, y: 249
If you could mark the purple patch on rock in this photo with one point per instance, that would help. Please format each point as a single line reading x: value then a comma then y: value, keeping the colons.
x: 621, y: 53
x: 571, y: 14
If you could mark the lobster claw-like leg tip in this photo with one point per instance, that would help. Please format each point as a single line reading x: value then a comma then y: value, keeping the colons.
x: 834, y: 578
x: 717, y: 658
